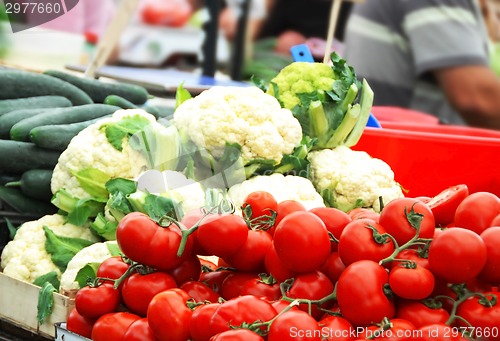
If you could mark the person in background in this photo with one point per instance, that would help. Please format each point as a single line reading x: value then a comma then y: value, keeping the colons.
x: 427, y: 55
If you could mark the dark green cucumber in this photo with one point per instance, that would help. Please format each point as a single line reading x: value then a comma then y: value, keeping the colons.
x: 21, y: 130
x: 37, y: 102
x: 15, y: 199
x: 99, y: 90
x: 4, y: 178
x: 34, y: 183
x: 159, y: 111
x: 18, y: 157
x: 8, y: 120
x: 123, y: 103
x: 58, y: 137
x: 22, y: 84
x: 119, y: 102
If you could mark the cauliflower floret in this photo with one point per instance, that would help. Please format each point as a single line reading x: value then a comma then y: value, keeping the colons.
x: 91, y: 149
x: 25, y: 257
x: 243, y: 115
x: 95, y: 253
x: 353, y: 177
x: 301, y: 77
x: 282, y: 187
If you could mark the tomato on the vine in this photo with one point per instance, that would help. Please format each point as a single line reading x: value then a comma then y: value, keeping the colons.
x: 188, y: 270
x: 79, y: 324
x: 402, y: 218
x: 113, y: 326
x: 335, y: 221
x: 251, y: 255
x: 113, y: 268
x: 364, y: 239
x: 420, y: 314
x: 363, y: 213
x: 411, y: 283
x: 95, y: 301
x: 444, y: 205
x: 138, y: 290
x: 285, y: 208
x: 293, y: 326
x: 491, y: 270
x: 264, y: 287
x: 483, y: 313
x: 214, y: 279
x: 234, y: 282
x: 139, y: 330
x: 413, y: 255
x: 457, y: 255
x: 336, y: 328
x: 237, y: 335
x: 200, y: 292
x: 143, y: 240
x: 477, y: 211
x: 259, y: 204
x: 275, y: 266
x: 333, y: 267
x: 395, y: 329
x: 202, y: 314
x: 302, y: 242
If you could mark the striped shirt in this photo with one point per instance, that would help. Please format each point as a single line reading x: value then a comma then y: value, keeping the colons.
x: 395, y: 44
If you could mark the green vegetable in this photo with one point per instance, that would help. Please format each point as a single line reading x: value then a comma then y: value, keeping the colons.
x: 78, y: 210
x: 19, y: 202
x: 128, y: 126
x: 63, y: 249
x: 88, y: 272
x: 8, y: 120
x: 104, y: 228
x: 45, y: 304
x: 50, y: 277
x: 34, y: 183
x: 324, y: 100
x: 21, y: 130
x: 18, y: 84
x: 37, y: 102
x: 93, y: 181
x: 23, y: 156
x: 99, y: 90
x: 181, y: 95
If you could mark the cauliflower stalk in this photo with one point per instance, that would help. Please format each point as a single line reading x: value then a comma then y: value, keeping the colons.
x: 324, y: 100
x: 43, y: 246
x: 226, y: 125
x: 289, y: 187
x: 348, y: 179
x: 123, y: 145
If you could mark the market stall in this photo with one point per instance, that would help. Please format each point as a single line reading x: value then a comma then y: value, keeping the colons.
x: 291, y: 209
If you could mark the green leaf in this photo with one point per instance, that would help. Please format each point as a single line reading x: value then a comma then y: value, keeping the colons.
x: 63, y: 249
x: 12, y: 229
x: 114, y: 249
x: 104, y: 228
x: 89, y: 271
x: 181, y: 95
x: 121, y: 185
x: 50, y: 277
x: 83, y: 210
x: 45, y: 304
x: 126, y: 127
x: 157, y: 207
x: 93, y: 181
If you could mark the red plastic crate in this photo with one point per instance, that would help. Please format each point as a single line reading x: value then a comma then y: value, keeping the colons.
x: 427, y: 159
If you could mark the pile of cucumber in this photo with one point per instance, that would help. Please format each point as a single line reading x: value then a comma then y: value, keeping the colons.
x: 39, y: 115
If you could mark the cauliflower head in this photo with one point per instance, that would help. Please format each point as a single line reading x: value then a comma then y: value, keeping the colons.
x: 92, y: 149
x: 301, y: 77
x: 25, y: 257
x: 289, y: 187
x: 95, y: 253
x: 239, y: 115
x: 349, y: 179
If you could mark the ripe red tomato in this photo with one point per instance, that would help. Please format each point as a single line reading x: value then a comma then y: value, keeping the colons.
x: 411, y: 255
x: 285, y: 208
x: 313, y: 286
x: 138, y: 290
x: 200, y: 319
x: 364, y: 213
x: 237, y: 335
x: 444, y: 205
x: 393, y: 330
x: 79, y: 324
x: 172, y: 13
x: 200, y: 292
x: 360, y: 293
x: 336, y: 328
x: 141, y: 239
x: 302, y: 242
x: 238, y: 310
x: 216, y: 230
x: 419, y: 314
x: 457, y: 255
x: 113, y: 326
x: 251, y: 255
x: 294, y: 325
x: 259, y: 204
x: 496, y: 221
x: 411, y: 283
x: 477, y: 211
x: 190, y: 219
x: 214, y: 279
x: 439, y: 332
x: 139, y: 330
x: 335, y: 221
x: 234, y: 282
x: 93, y: 302
x: 260, y: 287
x: 491, y: 270
x: 188, y: 270
x: 113, y: 267
x: 275, y: 266
x: 169, y: 316
x: 363, y: 239
x: 400, y: 218
x: 333, y: 267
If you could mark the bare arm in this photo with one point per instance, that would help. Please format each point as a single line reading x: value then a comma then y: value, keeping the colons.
x: 474, y: 91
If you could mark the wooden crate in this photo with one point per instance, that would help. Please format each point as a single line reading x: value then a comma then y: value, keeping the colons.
x: 18, y: 306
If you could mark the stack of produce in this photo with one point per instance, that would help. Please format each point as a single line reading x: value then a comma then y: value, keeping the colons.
x: 305, y: 237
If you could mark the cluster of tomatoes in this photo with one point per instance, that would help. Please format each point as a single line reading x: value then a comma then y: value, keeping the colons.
x: 422, y: 269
